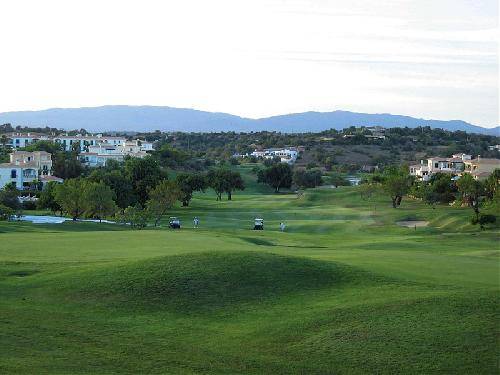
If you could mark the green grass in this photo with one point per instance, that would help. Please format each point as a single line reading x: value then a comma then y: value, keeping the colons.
x: 344, y: 290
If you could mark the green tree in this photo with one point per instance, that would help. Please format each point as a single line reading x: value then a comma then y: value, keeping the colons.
x: 188, y: 184
x: 337, y: 180
x: 135, y: 216
x: 472, y: 192
x: 6, y: 212
x: 99, y: 201
x: 118, y: 182
x: 233, y: 182
x: 492, y: 184
x: 66, y: 165
x: 45, y: 145
x: 162, y: 198
x: 277, y: 176
x: 71, y: 197
x: 439, y: 189
x: 144, y: 174
x: 3, y: 140
x: 223, y: 180
x: 47, y: 198
x: 307, y: 178
x: 396, y: 184
x: 9, y: 197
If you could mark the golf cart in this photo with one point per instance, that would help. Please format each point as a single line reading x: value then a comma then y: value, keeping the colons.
x: 174, y: 223
x: 259, y: 224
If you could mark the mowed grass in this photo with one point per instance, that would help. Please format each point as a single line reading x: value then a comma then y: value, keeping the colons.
x: 343, y: 291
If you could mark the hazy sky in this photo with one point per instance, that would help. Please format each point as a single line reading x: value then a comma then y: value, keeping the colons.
x: 425, y: 58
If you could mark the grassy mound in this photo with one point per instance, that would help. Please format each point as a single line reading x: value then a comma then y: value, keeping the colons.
x: 210, y: 280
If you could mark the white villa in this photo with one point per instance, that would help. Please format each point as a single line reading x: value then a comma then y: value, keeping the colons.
x: 286, y: 154
x: 95, y: 150
x: 98, y: 155
x: 456, y: 165
x: 25, y: 167
x: 18, y: 140
x: 480, y: 167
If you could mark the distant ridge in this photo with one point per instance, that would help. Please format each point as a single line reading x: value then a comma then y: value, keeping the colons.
x: 149, y: 118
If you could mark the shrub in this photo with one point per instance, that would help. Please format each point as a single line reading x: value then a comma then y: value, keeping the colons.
x: 483, y: 220
x: 6, y: 212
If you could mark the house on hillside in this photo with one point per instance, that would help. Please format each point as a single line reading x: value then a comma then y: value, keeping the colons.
x: 286, y: 154
x: 24, y: 168
x: 19, y: 140
x: 457, y: 165
x: 84, y: 141
x: 480, y: 167
x: 98, y: 155
x: 426, y: 168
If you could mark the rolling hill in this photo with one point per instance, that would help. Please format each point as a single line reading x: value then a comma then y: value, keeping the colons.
x: 150, y: 118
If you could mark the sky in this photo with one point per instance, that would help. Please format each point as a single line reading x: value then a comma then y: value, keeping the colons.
x: 435, y: 59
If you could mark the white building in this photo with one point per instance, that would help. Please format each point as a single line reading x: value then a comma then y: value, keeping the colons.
x: 98, y: 155
x: 84, y: 141
x: 286, y: 154
x: 453, y: 165
x: 18, y: 140
x: 24, y: 168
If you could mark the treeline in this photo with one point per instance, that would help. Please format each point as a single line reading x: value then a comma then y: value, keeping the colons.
x: 224, y: 145
x: 440, y: 189
x: 283, y: 176
x: 135, y: 191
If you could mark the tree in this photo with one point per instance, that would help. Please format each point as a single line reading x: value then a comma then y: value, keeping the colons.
x: 45, y: 145
x: 272, y: 161
x: 304, y: 178
x: 233, y: 182
x: 6, y: 212
x: 439, y: 189
x: 47, y: 198
x: 9, y: 197
x: 118, y: 182
x: 162, y: 198
x: 71, y: 197
x: 3, y: 140
x: 277, y: 176
x: 337, y: 180
x: 492, y: 184
x: 99, y: 201
x: 144, y: 174
x: 483, y: 219
x: 135, y: 216
x: 396, y: 184
x: 189, y: 183
x: 367, y: 190
x: 223, y: 180
x: 66, y: 165
x: 472, y: 192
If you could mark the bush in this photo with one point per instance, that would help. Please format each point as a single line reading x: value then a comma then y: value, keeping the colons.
x: 483, y: 220
x: 6, y: 212
x: 136, y: 216
x: 29, y: 205
x: 307, y: 178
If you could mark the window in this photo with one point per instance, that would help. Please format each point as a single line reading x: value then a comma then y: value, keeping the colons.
x: 436, y: 165
x: 13, y: 173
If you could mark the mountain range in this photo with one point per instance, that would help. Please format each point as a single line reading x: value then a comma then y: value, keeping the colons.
x: 150, y: 118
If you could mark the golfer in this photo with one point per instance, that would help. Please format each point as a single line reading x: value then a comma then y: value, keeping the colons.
x: 282, y: 227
